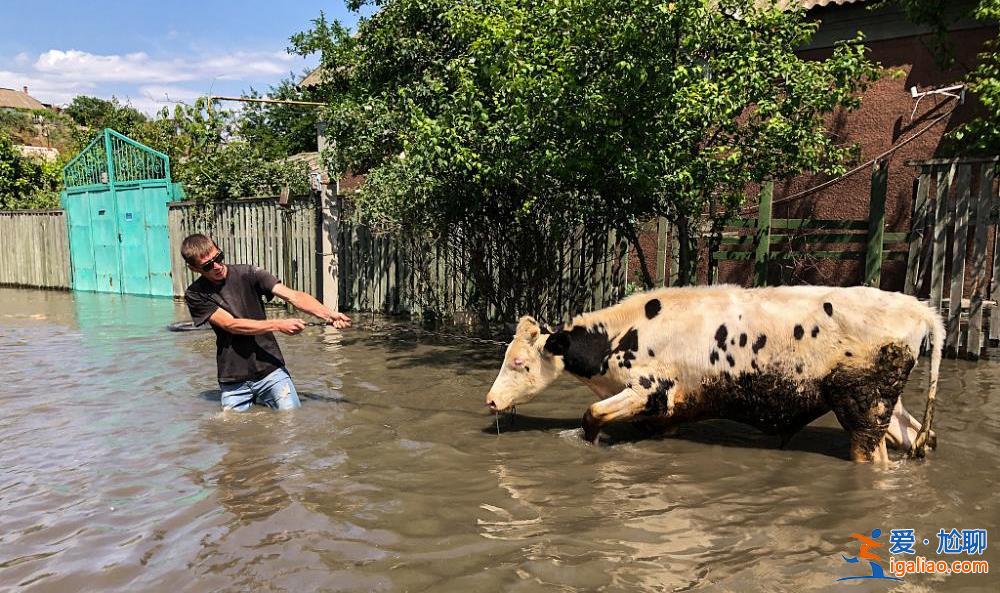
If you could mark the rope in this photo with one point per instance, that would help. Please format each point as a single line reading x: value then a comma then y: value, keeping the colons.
x: 421, y: 332
x: 860, y: 167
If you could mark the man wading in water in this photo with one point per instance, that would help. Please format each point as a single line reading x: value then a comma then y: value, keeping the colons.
x: 251, y: 368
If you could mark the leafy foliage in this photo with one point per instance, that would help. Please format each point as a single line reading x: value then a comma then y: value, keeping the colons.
x: 210, y: 161
x: 549, y: 114
x: 982, y: 134
x: 280, y: 130
x: 25, y: 183
x: 96, y: 114
x: 208, y: 156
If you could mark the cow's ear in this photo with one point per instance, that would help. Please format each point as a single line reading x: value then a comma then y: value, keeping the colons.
x: 527, y: 329
x: 557, y: 344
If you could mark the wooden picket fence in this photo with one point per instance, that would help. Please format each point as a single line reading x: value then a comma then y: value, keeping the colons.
x: 764, y: 240
x: 955, y: 217
x: 392, y: 274
x: 251, y: 231
x: 35, y: 249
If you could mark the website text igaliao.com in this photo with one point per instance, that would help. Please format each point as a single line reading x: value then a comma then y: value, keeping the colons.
x: 922, y: 565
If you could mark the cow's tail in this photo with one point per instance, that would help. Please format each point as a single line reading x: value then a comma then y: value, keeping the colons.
x: 935, y: 329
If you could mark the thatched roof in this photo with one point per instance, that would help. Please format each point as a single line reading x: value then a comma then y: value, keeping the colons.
x: 18, y: 100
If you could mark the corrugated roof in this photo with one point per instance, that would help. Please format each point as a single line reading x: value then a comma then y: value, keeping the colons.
x: 18, y: 100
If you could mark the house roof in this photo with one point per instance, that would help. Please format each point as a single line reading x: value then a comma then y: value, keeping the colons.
x: 18, y: 100
x: 313, y: 78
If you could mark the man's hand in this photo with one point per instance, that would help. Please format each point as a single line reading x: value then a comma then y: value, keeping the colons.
x: 337, y: 320
x: 310, y: 305
x: 289, y: 326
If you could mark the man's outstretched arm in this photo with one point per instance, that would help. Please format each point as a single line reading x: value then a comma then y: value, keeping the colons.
x: 254, y: 327
x: 306, y: 302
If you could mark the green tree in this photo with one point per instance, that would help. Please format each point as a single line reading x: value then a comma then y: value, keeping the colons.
x: 208, y: 158
x: 982, y: 133
x: 280, y: 130
x: 552, y: 113
x: 97, y: 114
x: 25, y: 183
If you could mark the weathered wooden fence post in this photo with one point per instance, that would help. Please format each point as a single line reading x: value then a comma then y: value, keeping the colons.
x: 876, y: 224
x: 982, y: 204
x: 762, y: 236
x: 921, y: 210
x: 328, y: 228
x: 662, y: 230
x: 959, y: 213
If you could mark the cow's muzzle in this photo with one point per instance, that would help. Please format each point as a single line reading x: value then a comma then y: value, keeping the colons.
x: 493, y: 406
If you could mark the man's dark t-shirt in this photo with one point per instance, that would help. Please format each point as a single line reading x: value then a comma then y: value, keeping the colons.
x: 239, y: 357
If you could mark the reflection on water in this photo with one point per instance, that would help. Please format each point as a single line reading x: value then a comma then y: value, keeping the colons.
x: 120, y: 473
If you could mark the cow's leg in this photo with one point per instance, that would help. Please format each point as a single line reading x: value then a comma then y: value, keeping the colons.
x: 903, y: 429
x: 865, y: 416
x: 624, y: 404
x: 864, y: 399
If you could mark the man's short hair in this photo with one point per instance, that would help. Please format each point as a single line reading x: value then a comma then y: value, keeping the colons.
x: 195, y: 247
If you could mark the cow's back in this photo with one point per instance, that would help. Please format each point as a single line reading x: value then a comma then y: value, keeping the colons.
x: 802, y: 331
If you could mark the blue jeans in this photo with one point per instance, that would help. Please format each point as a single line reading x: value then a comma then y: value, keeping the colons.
x: 275, y: 391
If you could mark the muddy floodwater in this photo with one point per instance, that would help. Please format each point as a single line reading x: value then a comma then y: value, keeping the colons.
x: 118, y: 472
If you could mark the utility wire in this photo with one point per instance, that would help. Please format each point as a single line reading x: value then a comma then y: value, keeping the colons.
x: 860, y: 167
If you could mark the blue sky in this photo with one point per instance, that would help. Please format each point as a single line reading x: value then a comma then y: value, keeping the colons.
x: 153, y: 54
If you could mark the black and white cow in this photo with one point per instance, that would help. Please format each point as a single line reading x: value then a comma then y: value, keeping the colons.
x: 774, y: 358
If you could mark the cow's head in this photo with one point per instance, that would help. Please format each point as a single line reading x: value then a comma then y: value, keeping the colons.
x: 528, y: 367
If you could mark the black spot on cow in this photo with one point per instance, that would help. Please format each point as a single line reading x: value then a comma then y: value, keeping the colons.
x: 798, y: 332
x: 527, y: 369
x: 828, y: 307
x: 658, y: 402
x: 815, y: 331
x: 743, y: 340
x: 720, y: 337
x: 646, y: 382
x: 629, y: 341
x: 652, y: 308
x: 713, y: 357
x: 798, y: 369
x: 628, y: 345
x: 848, y: 354
x: 732, y: 341
x: 585, y: 350
x: 753, y: 365
x: 730, y: 360
x: 759, y: 343
x: 651, y: 353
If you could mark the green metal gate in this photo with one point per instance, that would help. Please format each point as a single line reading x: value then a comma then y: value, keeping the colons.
x: 115, y: 200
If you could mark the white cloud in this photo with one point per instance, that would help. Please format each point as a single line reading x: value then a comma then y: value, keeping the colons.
x: 56, y: 75
x: 44, y: 88
x: 140, y: 68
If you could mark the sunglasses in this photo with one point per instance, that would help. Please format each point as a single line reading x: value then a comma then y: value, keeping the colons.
x: 210, y: 264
